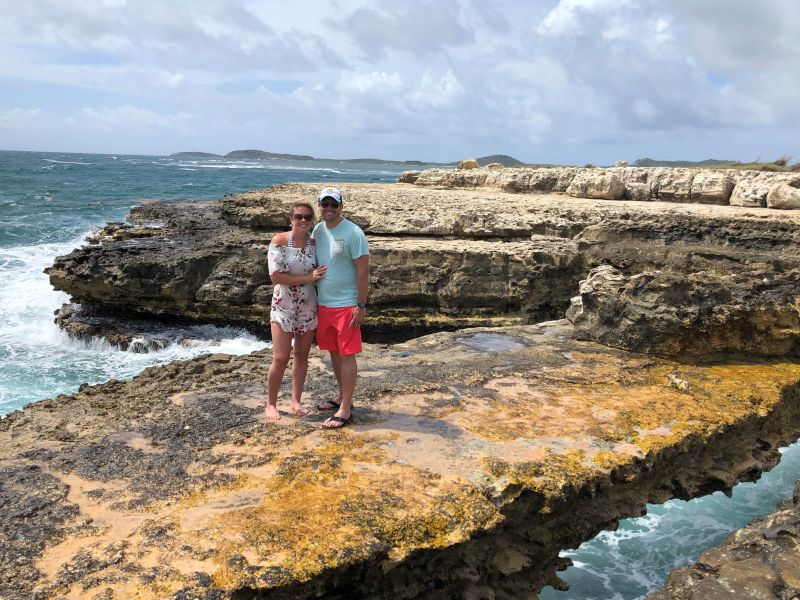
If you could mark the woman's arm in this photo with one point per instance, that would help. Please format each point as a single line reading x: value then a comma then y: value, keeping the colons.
x: 286, y: 279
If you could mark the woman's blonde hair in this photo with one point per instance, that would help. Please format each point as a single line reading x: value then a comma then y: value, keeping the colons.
x: 301, y: 204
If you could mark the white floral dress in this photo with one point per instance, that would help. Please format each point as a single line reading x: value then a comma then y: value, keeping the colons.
x: 294, y: 307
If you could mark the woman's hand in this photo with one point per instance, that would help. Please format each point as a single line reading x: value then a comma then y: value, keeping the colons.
x: 318, y: 273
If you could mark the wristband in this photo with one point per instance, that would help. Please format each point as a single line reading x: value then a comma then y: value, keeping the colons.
x: 361, y: 305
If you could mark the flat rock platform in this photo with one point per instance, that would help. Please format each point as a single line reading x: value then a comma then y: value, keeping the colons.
x: 475, y: 456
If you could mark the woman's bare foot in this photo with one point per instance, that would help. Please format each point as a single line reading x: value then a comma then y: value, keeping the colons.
x: 272, y: 413
x: 299, y: 410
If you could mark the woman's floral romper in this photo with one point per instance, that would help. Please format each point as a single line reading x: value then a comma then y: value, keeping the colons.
x: 294, y: 307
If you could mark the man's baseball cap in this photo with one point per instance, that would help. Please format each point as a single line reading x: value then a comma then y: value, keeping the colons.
x: 331, y: 192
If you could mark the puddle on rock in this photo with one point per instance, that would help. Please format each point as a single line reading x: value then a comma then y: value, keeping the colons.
x: 492, y: 342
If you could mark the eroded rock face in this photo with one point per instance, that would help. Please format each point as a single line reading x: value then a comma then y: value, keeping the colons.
x: 440, y: 258
x: 704, y: 186
x: 784, y: 195
x: 474, y: 458
x: 597, y: 184
x: 699, y: 315
x: 214, y: 268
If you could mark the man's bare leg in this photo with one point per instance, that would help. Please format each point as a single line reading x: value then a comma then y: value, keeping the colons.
x: 336, y: 363
x: 348, y: 373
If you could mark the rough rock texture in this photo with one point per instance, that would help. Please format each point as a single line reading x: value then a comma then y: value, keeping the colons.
x: 440, y: 258
x: 469, y: 163
x: 761, y: 561
x: 436, y: 259
x: 705, y: 186
x: 475, y: 456
x: 699, y: 315
x: 784, y: 195
x: 597, y: 184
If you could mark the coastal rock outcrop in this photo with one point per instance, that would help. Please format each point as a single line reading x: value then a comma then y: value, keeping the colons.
x: 784, y: 195
x: 440, y: 258
x: 700, y: 315
x: 666, y: 184
x: 597, y: 184
x: 474, y: 458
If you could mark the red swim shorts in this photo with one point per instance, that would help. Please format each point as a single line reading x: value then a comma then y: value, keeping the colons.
x: 333, y: 332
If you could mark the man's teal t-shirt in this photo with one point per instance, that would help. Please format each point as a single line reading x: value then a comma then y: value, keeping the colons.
x: 336, y: 248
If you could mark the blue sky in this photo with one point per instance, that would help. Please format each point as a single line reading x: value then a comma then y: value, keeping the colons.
x: 556, y: 81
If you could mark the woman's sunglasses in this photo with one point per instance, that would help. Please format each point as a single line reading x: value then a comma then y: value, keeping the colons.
x: 303, y: 217
x: 329, y: 204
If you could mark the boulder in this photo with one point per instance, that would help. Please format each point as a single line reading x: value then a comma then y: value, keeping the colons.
x: 495, y: 165
x: 752, y: 187
x: 597, y: 183
x: 671, y: 185
x: 700, y: 315
x: 408, y: 177
x: 711, y: 187
x: 469, y: 163
x: 635, y: 181
x: 784, y: 195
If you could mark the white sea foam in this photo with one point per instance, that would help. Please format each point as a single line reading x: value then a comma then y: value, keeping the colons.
x: 67, y: 162
x: 39, y: 360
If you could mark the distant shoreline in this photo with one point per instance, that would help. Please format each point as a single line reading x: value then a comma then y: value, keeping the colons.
x: 503, y: 159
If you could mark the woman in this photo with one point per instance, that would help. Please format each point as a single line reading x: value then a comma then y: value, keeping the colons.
x: 293, y: 270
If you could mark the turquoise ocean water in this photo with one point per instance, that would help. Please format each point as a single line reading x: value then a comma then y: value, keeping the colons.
x: 50, y: 201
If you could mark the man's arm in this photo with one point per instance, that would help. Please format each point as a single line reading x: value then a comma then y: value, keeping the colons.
x: 362, y: 280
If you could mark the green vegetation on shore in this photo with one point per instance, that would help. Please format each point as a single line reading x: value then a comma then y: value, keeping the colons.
x: 778, y: 165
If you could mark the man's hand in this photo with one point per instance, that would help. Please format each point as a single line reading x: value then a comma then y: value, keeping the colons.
x: 357, y: 318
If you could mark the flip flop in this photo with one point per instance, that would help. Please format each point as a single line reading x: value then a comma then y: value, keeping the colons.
x: 333, y: 405
x: 343, y: 422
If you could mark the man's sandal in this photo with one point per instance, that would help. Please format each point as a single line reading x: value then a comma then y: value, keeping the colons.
x: 341, y: 420
x: 331, y: 405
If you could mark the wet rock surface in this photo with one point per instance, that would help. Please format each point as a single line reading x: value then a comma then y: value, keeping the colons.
x: 475, y: 456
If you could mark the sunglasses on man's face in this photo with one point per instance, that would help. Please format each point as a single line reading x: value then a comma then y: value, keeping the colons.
x: 303, y: 217
x: 329, y: 204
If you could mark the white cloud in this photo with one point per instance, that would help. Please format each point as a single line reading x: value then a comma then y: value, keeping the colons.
x: 19, y: 118
x: 125, y: 117
x: 549, y: 80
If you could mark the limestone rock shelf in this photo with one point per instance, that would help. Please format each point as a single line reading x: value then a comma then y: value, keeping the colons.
x: 475, y: 456
x: 440, y: 258
x: 704, y: 186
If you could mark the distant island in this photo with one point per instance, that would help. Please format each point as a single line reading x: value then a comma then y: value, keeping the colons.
x: 710, y: 162
x: 504, y: 159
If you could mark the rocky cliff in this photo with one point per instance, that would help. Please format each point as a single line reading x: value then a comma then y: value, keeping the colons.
x: 439, y: 258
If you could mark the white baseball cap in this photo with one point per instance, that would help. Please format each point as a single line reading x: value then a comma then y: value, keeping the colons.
x: 331, y: 192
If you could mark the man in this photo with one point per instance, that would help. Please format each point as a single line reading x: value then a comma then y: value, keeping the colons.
x: 342, y: 298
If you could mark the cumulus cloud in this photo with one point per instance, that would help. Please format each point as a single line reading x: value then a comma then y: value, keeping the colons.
x: 548, y: 80
x: 414, y: 26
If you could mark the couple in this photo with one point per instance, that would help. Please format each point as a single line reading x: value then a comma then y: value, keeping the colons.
x: 335, y: 257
